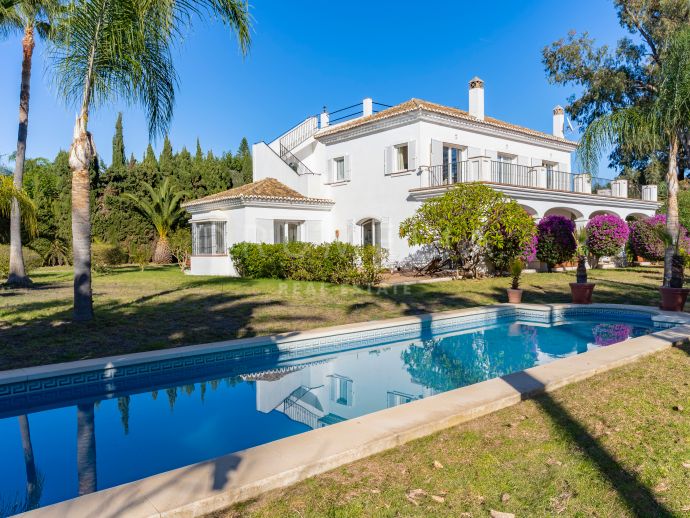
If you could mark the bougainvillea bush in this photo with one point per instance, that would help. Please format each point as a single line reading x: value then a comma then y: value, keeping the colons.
x: 555, y: 240
x: 529, y: 253
x: 606, y: 235
x: 646, y: 242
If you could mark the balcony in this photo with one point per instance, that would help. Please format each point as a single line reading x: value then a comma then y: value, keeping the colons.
x: 483, y: 169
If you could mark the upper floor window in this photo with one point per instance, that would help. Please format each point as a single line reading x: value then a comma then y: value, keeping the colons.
x: 208, y: 238
x: 402, y: 157
x: 286, y: 231
x: 341, y: 390
x: 339, y: 168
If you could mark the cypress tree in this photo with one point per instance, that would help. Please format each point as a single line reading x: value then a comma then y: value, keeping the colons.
x: 150, y: 166
x: 118, y: 161
x: 166, y: 161
x: 245, y: 161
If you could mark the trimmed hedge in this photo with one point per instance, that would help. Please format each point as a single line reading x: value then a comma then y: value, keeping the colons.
x: 104, y: 255
x: 336, y: 262
x: 32, y: 260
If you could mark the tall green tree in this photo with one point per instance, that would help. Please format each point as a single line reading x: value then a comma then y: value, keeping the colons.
x: 163, y: 210
x: 110, y: 49
x: 34, y: 18
x: 118, y: 161
x: 244, y: 159
x: 166, y: 161
x: 610, y: 79
x: 662, y: 122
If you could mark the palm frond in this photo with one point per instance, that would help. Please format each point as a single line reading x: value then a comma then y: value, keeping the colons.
x: 162, y: 207
x: 8, y: 192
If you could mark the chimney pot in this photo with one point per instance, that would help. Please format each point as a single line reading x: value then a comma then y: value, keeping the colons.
x: 558, y: 121
x: 477, y: 98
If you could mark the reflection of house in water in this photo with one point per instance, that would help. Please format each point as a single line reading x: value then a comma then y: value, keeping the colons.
x: 341, y: 387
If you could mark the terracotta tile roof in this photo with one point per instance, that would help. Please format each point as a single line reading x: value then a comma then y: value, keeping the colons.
x: 266, y: 189
x: 419, y: 104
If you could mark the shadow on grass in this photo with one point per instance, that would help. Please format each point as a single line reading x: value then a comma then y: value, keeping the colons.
x: 638, y: 498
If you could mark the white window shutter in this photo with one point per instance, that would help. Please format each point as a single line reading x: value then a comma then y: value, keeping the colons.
x: 412, y: 155
x: 313, y: 231
x: 436, y: 152
x: 385, y: 160
x: 385, y: 233
x: 347, y: 167
x: 390, y: 159
x: 264, y: 231
x: 351, y: 231
x: 329, y: 168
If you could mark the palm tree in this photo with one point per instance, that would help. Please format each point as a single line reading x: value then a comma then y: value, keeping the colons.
x: 11, y: 196
x: 163, y: 210
x: 32, y: 17
x: 34, y: 484
x: 108, y: 49
x: 653, y: 126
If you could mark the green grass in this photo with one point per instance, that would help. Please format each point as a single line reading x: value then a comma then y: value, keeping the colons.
x: 611, y: 446
x: 161, y: 307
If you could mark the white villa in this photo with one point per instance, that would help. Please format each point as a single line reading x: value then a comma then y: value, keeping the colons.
x: 355, y: 180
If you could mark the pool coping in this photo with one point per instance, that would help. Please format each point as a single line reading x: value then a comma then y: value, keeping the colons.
x: 211, y: 485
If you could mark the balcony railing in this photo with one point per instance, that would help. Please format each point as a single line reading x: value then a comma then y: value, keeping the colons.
x: 541, y: 177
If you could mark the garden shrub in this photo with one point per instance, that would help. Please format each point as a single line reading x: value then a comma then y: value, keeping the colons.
x: 104, y: 255
x: 646, y: 242
x: 32, y: 260
x: 555, y: 240
x: 338, y: 263
x: 606, y: 235
x: 468, y: 222
x: 54, y: 253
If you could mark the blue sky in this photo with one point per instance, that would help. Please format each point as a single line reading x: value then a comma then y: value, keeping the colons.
x: 309, y: 54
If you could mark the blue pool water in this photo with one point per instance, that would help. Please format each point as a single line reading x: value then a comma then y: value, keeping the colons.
x: 111, y: 433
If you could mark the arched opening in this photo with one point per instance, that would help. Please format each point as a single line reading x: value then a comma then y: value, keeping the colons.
x: 569, y: 213
x: 602, y: 213
x: 370, y: 229
x: 529, y: 210
x: 635, y: 216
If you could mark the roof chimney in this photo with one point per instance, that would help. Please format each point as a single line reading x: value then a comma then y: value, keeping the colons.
x: 367, y: 107
x: 558, y: 121
x: 477, y: 98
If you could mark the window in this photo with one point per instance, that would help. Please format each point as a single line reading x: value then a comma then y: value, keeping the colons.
x: 286, y: 231
x: 208, y: 238
x: 339, y: 169
x: 453, y: 164
x: 371, y: 232
x: 341, y: 390
x: 398, y: 398
x: 401, y: 157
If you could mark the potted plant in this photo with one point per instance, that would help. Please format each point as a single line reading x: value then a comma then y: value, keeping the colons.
x: 514, y: 292
x: 673, y: 296
x: 581, y: 290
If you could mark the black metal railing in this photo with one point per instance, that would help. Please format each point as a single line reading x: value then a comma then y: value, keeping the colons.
x: 512, y: 174
x: 293, y: 162
x: 447, y: 174
x: 299, y: 133
x: 560, y: 180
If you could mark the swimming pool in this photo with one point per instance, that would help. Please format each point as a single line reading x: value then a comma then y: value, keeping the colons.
x: 90, y: 431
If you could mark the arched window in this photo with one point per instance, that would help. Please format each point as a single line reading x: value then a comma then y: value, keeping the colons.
x: 371, y: 232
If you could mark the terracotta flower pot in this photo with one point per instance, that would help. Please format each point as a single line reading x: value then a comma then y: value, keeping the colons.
x: 514, y: 296
x: 582, y: 293
x: 673, y: 299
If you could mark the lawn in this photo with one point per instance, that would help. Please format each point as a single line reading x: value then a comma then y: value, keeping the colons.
x: 615, y: 445
x: 161, y: 307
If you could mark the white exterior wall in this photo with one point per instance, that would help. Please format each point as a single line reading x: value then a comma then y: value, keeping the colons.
x: 390, y: 198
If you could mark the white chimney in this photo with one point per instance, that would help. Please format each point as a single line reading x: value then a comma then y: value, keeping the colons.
x: 558, y: 121
x: 477, y: 98
x: 324, y: 119
x: 367, y: 106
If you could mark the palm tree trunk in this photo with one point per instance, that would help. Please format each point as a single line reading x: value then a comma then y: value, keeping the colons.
x: 672, y: 222
x: 82, y: 154
x: 162, y: 253
x: 33, y: 493
x: 86, y: 449
x: 17, y: 273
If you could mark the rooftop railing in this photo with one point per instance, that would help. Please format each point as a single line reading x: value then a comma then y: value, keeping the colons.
x: 541, y: 177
